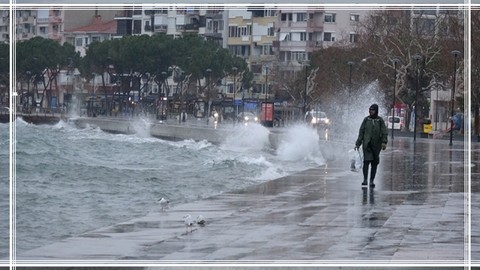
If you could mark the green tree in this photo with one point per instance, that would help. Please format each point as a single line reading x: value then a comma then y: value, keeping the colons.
x: 40, y: 60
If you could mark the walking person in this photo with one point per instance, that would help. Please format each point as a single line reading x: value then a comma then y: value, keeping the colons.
x: 372, y: 136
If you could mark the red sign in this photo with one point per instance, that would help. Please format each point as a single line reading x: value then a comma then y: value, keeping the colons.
x: 267, y: 112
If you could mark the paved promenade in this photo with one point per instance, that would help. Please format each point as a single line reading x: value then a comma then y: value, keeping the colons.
x: 416, y: 213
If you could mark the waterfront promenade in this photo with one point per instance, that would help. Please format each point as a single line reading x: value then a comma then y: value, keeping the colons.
x: 415, y: 213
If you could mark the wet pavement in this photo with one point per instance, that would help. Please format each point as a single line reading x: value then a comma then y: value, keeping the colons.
x: 416, y: 212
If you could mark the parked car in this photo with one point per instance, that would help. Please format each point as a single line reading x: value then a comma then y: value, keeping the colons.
x: 247, y: 117
x: 397, y: 122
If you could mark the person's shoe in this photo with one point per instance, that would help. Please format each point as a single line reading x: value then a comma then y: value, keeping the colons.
x: 364, y: 183
x: 372, y: 184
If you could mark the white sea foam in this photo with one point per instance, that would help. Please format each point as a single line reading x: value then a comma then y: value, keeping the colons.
x: 247, y: 138
x: 300, y: 143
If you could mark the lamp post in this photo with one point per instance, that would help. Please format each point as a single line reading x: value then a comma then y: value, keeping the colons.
x: 29, y: 76
x: 234, y: 69
x: 166, y: 89
x: 305, y: 90
x: 455, y: 54
x: 350, y: 65
x: 395, y: 61
x: 266, y: 97
x: 208, y: 72
x: 417, y: 57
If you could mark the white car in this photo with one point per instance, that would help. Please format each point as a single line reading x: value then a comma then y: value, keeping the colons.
x: 319, y: 118
x: 397, y: 122
x: 247, y: 117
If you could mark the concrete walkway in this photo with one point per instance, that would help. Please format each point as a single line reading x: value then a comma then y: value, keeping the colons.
x: 415, y: 213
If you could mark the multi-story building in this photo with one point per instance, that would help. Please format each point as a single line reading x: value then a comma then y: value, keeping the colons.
x: 97, y: 30
x: 174, y: 21
x: 250, y: 35
x: 302, y: 32
x: 25, y: 24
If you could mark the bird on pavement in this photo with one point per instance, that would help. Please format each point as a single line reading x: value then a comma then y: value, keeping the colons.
x: 200, y: 220
x: 188, y: 220
x: 163, y: 204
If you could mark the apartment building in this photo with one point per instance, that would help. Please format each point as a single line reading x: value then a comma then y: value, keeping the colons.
x: 302, y: 32
x: 97, y: 30
x: 173, y: 21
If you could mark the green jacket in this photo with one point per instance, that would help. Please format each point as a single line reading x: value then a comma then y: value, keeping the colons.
x: 371, y: 135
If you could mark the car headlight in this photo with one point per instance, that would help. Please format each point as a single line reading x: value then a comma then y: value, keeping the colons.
x: 246, y: 118
x: 256, y: 119
x: 327, y: 121
x: 314, y: 120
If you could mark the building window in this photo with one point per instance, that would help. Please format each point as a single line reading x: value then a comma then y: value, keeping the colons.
x: 303, y: 36
x: 301, y: 17
x: 78, y: 42
x: 354, y: 17
x: 327, y: 36
x: 270, y: 13
x: 267, y: 49
x: 286, y: 17
x: 43, y: 30
x: 137, y: 26
x: 330, y: 18
x: 424, y: 26
x: 86, y: 41
x: 271, y: 32
x: 353, y: 38
x: 298, y: 56
x: 95, y: 39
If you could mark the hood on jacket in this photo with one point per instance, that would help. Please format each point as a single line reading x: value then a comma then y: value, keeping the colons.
x: 374, y: 107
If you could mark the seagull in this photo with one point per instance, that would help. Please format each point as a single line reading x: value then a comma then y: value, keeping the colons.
x: 200, y: 220
x: 188, y: 220
x: 163, y: 204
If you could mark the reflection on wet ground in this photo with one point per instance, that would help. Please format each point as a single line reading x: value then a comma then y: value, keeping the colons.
x: 475, y: 203
x: 415, y: 212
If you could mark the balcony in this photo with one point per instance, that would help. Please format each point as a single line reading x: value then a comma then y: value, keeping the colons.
x: 124, y: 14
x: 42, y: 20
x: 55, y: 19
x: 162, y: 28
x: 191, y: 27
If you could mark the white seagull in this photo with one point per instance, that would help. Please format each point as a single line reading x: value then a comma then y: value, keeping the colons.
x: 200, y: 220
x: 163, y: 204
x: 188, y: 220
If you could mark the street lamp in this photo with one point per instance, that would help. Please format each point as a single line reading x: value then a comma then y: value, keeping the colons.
x: 305, y: 90
x: 234, y: 69
x: 208, y: 72
x: 417, y: 58
x: 350, y: 65
x: 455, y: 54
x: 266, y: 97
x: 395, y: 61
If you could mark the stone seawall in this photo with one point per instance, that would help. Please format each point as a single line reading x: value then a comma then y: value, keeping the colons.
x: 158, y: 130
x: 330, y: 149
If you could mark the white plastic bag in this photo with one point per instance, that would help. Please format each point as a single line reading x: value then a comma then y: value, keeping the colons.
x: 356, y: 161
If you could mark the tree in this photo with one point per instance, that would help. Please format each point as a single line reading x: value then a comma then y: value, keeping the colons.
x: 475, y: 69
x: 153, y: 57
x: 4, y: 70
x: 41, y: 60
x: 400, y: 34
